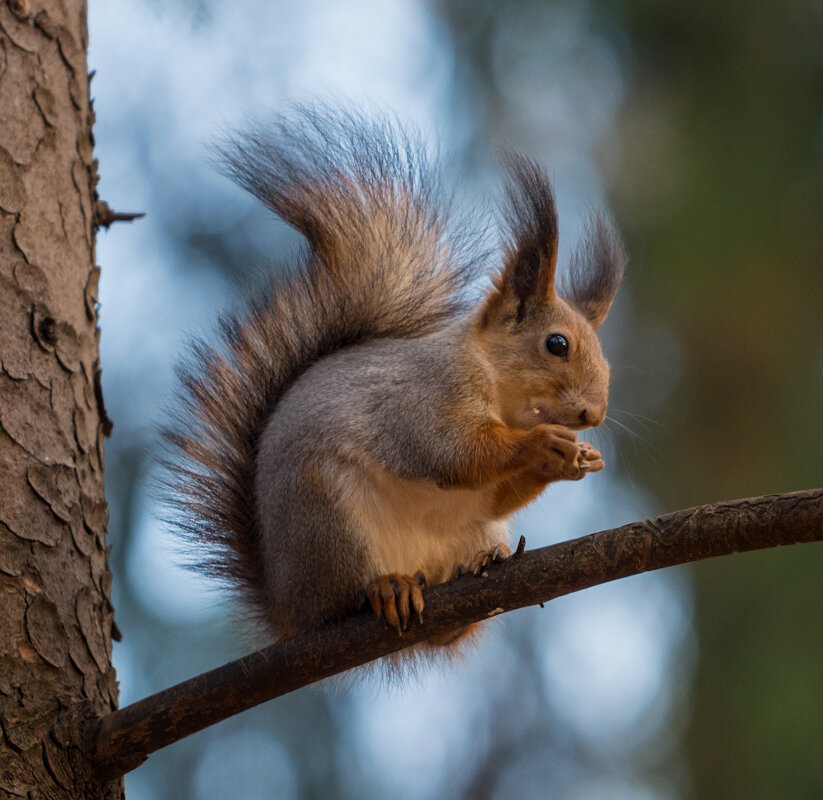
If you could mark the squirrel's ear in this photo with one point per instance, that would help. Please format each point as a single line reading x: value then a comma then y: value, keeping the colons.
x: 595, y: 271
x: 531, y: 251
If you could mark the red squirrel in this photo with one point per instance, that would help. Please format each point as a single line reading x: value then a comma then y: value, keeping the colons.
x: 362, y: 430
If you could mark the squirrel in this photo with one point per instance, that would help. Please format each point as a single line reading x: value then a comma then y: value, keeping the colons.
x: 363, y: 430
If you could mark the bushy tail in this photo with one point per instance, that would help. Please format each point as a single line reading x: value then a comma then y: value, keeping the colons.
x: 382, y: 262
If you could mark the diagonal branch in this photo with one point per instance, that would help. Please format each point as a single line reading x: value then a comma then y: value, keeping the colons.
x: 123, y: 739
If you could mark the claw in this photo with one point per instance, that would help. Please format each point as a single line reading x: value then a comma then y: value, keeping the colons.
x: 485, y: 558
x: 417, y: 600
x: 389, y: 607
x: 373, y: 593
x: 393, y: 598
x: 401, y: 594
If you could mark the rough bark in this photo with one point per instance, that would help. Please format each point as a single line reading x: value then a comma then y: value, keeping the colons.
x: 56, y: 620
x: 124, y: 738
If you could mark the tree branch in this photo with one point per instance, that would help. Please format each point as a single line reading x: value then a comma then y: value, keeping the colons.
x: 123, y: 739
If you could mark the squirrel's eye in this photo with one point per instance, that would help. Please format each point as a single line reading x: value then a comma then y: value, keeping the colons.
x: 557, y: 345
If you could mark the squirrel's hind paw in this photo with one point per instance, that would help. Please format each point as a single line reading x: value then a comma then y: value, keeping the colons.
x: 483, y: 560
x: 394, y: 596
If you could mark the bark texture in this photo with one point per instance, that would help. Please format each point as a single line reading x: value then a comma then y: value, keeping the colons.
x: 56, y: 620
x: 126, y: 737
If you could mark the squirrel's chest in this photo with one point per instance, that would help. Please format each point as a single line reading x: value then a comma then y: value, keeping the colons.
x: 411, y: 525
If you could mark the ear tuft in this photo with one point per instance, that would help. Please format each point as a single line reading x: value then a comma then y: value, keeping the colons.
x: 531, y: 251
x: 596, y: 270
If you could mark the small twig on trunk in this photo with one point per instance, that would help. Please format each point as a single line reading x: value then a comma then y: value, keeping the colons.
x: 124, y: 738
x: 104, y: 215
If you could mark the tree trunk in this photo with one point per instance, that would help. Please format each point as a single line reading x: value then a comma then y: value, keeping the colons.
x: 56, y: 618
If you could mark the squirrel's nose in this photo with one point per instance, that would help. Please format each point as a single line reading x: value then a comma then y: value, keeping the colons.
x: 591, y: 417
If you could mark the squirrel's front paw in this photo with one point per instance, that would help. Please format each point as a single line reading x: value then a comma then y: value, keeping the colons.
x: 394, y: 596
x: 589, y: 459
x: 556, y: 453
x: 559, y: 456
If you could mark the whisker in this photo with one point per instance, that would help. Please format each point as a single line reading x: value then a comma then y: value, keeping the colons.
x: 639, y: 417
x: 626, y: 464
x: 645, y: 428
x: 626, y: 428
x: 637, y: 439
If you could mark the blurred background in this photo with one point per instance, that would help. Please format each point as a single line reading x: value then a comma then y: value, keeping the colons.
x: 700, y: 126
